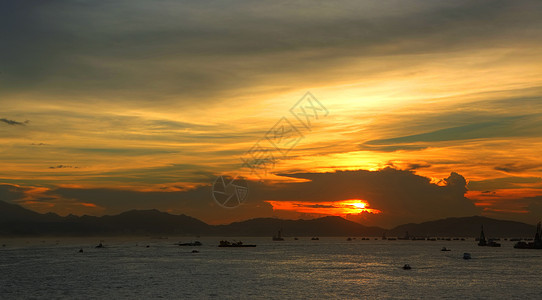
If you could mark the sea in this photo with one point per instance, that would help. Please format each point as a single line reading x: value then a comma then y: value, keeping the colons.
x: 328, y: 268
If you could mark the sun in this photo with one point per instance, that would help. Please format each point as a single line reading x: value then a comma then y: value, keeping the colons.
x: 359, y: 205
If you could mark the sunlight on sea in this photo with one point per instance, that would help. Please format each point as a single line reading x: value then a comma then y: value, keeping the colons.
x: 290, y: 269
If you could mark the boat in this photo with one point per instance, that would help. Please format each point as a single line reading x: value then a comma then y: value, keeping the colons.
x: 493, y: 243
x: 482, y: 240
x: 233, y: 244
x: 278, y: 237
x: 81, y: 250
x: 407, y: 267
x: 466, y: 255
x: 488, y: 243
x: 445, y: 249
x: 196, y: 243
x: 315, y: 239
x: 100, y: 245
x: 406, y: 237
x: 349, y: 239
x: 537, y: 242
x: 195, y: 251
x: 295, y: 239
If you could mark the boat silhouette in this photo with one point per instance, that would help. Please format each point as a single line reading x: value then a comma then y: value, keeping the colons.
x: 489, y: 243
x: 278, y: 237
x: 537, y: 242
x: 233, y: 244
x: 196, y: 243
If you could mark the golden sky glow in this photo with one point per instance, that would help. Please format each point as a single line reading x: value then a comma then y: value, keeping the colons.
x: 152, y: 102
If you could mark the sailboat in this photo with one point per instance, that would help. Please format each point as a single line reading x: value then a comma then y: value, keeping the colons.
x: 536, y: 244
x: 482, y: 241
x: 278, y: 237
x: 490, y: 243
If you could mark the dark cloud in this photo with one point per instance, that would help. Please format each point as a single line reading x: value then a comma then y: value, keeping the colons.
x: 517, y: 167
x: 191, y: 49
x: 502, y: 183
x: 401, y: 195
x: 499, y: 127
x: 416, y: 166
x: 63, y: 167
x: 13, y: 123
x: 11, y: 193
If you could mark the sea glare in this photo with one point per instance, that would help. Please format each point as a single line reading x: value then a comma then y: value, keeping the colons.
x: 331, y: 268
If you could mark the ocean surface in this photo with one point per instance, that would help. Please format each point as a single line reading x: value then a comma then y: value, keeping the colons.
x: 331, y: 268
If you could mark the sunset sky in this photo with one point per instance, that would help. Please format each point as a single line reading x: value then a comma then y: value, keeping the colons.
x: 429, y: 109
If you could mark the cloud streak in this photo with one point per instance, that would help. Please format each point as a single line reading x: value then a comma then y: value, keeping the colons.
x: 13, y: 123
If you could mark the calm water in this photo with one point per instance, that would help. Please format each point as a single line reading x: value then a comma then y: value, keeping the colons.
x: 329, y: 268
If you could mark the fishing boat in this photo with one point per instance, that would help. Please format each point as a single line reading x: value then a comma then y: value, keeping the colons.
x: 537, y: 242
x: 278, y: 237
x: 196, y: 243
x: 466, y: 255
x: 233, y: 244
x: 482, y: 240
x: 489, y: 243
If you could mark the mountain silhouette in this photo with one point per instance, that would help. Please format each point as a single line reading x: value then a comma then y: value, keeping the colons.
x: 18, y: 221
x: 466, y: 226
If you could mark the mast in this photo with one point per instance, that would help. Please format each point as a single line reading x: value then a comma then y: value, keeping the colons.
x: 538, y: 237
x: 482, y: 241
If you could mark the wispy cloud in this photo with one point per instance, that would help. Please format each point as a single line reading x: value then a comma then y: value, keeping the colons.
x: 13, y: 123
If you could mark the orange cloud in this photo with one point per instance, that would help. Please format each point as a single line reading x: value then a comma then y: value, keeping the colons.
x: 335, y: 208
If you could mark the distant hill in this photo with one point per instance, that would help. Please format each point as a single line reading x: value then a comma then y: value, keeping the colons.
x: 465, y: 227
x: 326, y: 226
x: 18, y: 221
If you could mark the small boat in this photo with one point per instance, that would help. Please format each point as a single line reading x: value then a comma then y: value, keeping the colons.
x: 537, y: 242
x: 406, y: 237
x: 445, y: 249
x: 349, y: 239
x: 295, y: 239
x: 100, y: 245
x: 196, y: 243
x: 81, y: 250
x: 482, y: 239
x: 466, y: 255
x: 233, y: 244
x: 195, y: 251
x: 407, y: 267
x: 278, y: 237
x: 315, y: 239
x: 492, y: 243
